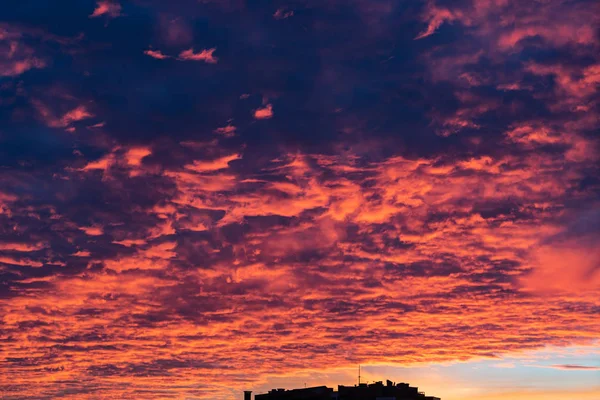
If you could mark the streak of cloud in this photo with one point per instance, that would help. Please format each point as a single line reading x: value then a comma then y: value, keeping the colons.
x: 204, y: 55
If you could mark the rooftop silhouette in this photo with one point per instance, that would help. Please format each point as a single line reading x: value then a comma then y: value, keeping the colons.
x: 362, y: 391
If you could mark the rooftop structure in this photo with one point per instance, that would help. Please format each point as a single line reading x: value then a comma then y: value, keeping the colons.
x: 362, y: 391
x: 312, y: 393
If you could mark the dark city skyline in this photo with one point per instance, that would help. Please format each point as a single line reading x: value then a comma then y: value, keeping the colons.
x: 362, y: 391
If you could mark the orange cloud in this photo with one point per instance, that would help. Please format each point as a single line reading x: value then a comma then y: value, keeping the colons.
x: 214, y: 165
x: 76, y: 114
x: 135, y: 155
x: 25, y: 262
x: 227, y: 131
x: 130, y: 159
x: 265, y: 112
x: 92, y: 230
x: 205, y: 55
x: 22, y: 247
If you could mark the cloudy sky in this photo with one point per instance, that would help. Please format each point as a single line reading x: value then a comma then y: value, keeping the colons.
x: 200, y: 197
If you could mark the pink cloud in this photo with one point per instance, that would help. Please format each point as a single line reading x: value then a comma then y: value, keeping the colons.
x: 435, y: 17
x: 16, y: 57
x: 108, y: 8
x: 574, y: 82
x: 77, y: 114
x: 509, y: 22
x: 98, y: 125
x: 282, y: 14
x: 569, y: 265
x: 204, y: 55
x: 558, y: 35
x: 14, y: 68
x: 94, y: 230
x: 22, y: 48
x: 48, y: 116
x: 156, y: 54
x: 532, y: 136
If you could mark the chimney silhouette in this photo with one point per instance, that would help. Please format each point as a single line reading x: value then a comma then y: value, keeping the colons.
x: 247, y: 395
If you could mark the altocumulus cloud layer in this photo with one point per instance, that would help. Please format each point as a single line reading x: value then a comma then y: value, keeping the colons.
x: 196, y: 194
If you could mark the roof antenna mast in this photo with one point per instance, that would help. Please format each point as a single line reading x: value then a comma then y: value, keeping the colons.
x: 358, y: 374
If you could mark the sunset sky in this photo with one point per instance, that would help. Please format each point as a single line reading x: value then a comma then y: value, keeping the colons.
x: 201, y: 197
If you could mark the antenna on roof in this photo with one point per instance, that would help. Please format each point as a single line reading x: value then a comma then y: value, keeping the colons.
x: 358, y: 374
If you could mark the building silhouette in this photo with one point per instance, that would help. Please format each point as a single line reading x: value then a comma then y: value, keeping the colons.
x: 362, y: 391
x: 311, y: 393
